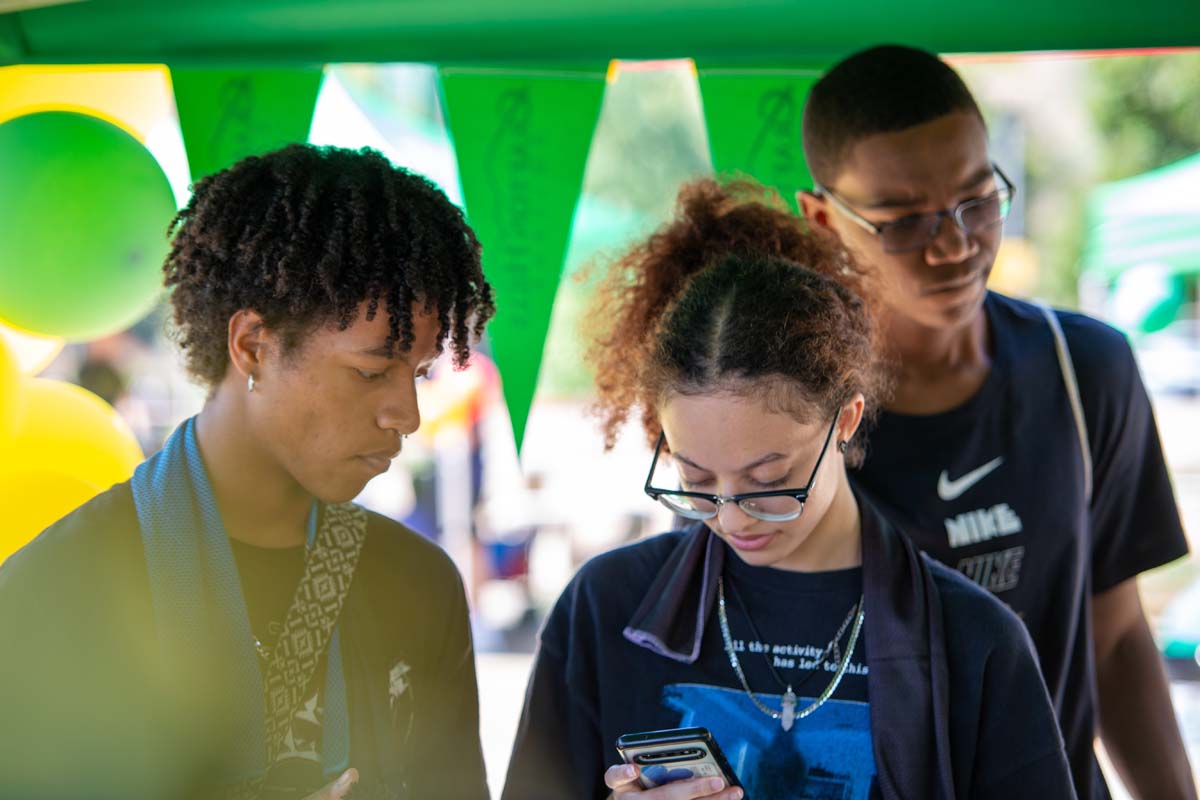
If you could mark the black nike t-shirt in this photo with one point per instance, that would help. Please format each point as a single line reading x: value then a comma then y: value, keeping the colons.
x: 996, y: 489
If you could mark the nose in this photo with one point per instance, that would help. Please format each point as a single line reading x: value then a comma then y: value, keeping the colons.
x: 950, y: 244
x: 400, y: 411
x: 732, y: 519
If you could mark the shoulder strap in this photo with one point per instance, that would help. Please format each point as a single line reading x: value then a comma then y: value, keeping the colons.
x: 1068, y: 372
x: 309, y: 632
x: 309, y: 626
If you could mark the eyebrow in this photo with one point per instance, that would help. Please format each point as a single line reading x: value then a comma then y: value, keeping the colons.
x: 767, y: 459
x: 976, y: 178
x: 380, y: 351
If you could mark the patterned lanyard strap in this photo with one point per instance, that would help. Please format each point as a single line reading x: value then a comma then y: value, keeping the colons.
x: 308, y: 627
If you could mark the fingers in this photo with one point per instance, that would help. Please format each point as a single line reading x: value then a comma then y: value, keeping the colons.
x: 622, y: 779
x: 620, y: 775
x: 339, y: 789
x: 707, y: 788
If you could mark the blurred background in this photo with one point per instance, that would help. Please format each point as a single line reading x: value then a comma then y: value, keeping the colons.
x: 1105, y: 153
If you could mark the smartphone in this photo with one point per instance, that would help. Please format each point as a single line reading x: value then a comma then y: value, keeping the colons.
x: 675, y: 755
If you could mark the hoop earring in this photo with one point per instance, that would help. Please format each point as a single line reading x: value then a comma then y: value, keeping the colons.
x: 250, y: 383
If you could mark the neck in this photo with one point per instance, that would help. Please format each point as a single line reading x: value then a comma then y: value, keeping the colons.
x: 932, y: 353
x: 936, y: 369
x: 260, y: 503
x: 836, y: 541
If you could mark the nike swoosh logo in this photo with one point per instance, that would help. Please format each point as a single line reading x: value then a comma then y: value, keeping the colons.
x: 951, y: 490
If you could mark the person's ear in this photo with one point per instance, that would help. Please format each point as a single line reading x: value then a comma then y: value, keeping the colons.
x: 815, y: 209
x: 851, y: 417
x: 247, y: 339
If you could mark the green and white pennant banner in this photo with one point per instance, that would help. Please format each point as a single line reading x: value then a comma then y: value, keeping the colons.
x: 522, y: 139
x: 753, y: 118
x: 226, y: 115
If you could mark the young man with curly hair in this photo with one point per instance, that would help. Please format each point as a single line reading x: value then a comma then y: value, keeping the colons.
x: 228, y: 623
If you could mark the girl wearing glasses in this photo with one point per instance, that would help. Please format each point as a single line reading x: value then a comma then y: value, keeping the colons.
x: 824, y: 654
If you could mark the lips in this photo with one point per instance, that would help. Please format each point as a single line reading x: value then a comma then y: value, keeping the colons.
x: 381, y: 461
x: 958, y: 285
x: 750, y: 543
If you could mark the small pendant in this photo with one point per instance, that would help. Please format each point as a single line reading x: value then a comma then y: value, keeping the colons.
x: 788, y: 715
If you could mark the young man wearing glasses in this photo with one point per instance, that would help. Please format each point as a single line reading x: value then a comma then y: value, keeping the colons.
x: 1019, y: 446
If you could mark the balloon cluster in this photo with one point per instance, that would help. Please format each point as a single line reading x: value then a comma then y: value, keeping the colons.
x: 83, y: 215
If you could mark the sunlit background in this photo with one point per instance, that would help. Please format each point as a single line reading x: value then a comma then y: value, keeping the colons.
x: 1105, y: 153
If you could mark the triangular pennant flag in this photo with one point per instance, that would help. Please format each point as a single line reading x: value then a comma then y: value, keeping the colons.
x: 522, y: 140
x: 226, y: 115
x: 753, y: 118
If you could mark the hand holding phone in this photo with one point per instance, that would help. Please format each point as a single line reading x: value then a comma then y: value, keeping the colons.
x: 337, y: 790
x: 624, y: 780
x: 677, y: 764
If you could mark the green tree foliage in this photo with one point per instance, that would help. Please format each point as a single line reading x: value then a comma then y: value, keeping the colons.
x: 1147, y: 110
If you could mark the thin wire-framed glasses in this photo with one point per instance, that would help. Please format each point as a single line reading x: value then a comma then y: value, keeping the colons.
x: 916, y: 231
x: 777, y: 505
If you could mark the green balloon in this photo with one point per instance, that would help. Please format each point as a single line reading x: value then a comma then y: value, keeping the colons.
x: 84, y: 209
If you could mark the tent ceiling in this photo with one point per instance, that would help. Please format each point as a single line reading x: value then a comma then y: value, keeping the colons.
x: 280, y: 32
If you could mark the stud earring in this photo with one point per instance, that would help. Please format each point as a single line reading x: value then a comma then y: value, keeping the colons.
x: 843, y: 446
x: 250, y: 383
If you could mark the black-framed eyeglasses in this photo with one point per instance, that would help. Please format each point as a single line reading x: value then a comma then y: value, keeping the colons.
x: 777, y: 505
x: 916, y: 231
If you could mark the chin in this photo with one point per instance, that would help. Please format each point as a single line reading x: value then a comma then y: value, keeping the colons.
x: 951, y: 313
x: 339, y: 492
x: 760, y: 558
x: 957, y: 315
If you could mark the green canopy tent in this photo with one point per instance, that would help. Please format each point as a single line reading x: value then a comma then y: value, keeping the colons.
x: 246, y: 73
x: 1144, y: 242
x: 778, y: 32
x: 1152, y: 217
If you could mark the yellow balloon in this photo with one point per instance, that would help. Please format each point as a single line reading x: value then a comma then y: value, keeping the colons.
x: 136, y: 98
x: 10, y: 398
x: 65, y: 430
x: 33, y: 351
x: 32, y: 501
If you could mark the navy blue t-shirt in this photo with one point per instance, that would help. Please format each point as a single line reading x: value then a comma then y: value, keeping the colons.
x: 591, y: 684
x: 785, y: 620
x: 996, y: 489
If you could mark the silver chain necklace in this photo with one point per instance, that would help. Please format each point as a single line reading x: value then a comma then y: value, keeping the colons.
x: 787, y: 715
x: 833, y: 647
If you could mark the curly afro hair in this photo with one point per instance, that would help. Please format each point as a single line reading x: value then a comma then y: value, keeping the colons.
x: 735, y: 294
x: 303, y: 236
